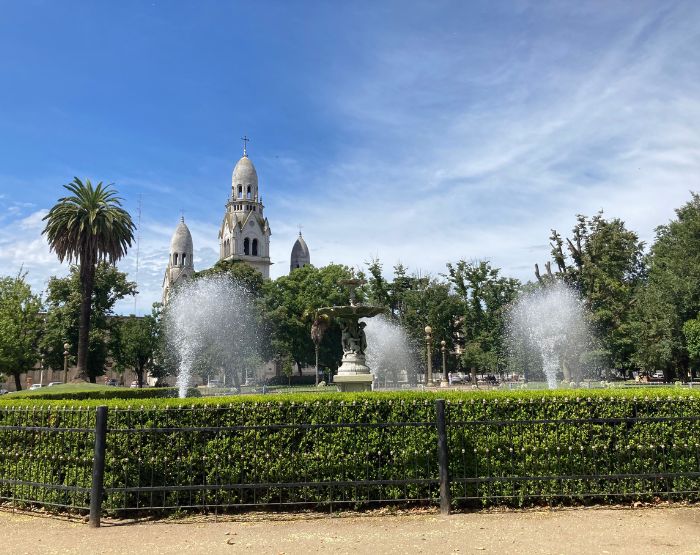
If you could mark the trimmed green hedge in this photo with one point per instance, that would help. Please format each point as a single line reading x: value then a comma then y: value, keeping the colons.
x: 515, y: 448
x: 81, y: 393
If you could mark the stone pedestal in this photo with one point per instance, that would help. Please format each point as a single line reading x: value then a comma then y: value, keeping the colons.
x: 353, y: 374
x: 353, y: 383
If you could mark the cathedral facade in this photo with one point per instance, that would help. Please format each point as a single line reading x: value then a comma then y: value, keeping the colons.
x: 244, y: 233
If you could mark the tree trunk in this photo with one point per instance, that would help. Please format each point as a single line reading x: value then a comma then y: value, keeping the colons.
x: 317, y: 348
x: 87, y: 282
x: 18, y: 382
x: 236, y: 380
x: 299, y: 368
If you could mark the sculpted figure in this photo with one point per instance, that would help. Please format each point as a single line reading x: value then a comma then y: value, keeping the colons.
x: 363, y: 337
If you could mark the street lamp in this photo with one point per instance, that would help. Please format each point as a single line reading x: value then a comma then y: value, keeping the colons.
x: 66, y: 346
x: 445, y: 378
x: 428, y: 345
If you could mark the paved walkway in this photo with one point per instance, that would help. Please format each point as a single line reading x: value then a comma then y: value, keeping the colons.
x: 635, y: 531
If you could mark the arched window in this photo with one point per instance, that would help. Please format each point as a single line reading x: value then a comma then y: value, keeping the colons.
x: 246, y: 246
x: 240, y: 191
x: 175, y: 259
x: 184, y: 258
x: 248, y: 193
x: 255, y: 247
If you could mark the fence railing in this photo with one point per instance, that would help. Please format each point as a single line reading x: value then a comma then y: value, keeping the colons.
x: 132, y: 460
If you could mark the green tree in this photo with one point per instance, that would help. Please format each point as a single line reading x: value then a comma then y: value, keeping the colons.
x: 290, y: 303
x: 135, y: 343
x: 691, y: 330
x: 20, y: 327
x: 238, y: 271
x: 603, y: 261
x: 429, y: 302
x: 319, y: 327
x: 671, y: 296
x: 63, y: 317
x: 87, y: 227
x: 485, y: 297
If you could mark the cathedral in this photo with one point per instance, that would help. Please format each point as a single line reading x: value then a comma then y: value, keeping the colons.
x: 244, y: 233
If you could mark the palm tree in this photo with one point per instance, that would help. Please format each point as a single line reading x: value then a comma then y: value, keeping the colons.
x: 87, y: 227
x: 318, y: 329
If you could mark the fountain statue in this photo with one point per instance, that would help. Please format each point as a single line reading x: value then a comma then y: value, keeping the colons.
x: 353, y: 374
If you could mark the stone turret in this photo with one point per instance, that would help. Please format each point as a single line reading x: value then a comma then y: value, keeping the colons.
x: 245, y: 232
x: 300, y: 254
x: 181, y: 260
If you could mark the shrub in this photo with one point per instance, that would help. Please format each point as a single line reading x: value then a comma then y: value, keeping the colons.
x: 59, y: 393
x: 516, y: 448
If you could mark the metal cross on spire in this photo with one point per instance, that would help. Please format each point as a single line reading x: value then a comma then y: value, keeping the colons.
x: 245, y: 139
x: 299, y: 226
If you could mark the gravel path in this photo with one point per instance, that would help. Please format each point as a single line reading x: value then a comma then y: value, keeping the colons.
x: 636, y: 531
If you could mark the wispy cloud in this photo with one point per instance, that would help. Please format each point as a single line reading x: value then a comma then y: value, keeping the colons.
x: 463, y: 131
x: 571, y: 127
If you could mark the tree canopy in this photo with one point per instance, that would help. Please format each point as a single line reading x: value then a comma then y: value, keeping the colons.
x: 20, y: 327
x: 88, y: 226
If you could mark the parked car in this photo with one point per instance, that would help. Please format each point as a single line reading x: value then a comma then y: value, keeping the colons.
x: 111, y: 381
x: 3, y: 391
x: 35, y: 386
x: 135, y: 384
x: 51, y: 384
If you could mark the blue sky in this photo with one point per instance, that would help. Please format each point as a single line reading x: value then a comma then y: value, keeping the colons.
x: 420, y: 132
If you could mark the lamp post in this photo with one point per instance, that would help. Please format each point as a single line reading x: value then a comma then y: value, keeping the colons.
x: 428, y: 346
x: 445, y: 378
x: 41, y: 377
x: 66, y: 346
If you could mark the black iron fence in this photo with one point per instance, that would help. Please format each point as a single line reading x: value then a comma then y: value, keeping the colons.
x: 126, y: 461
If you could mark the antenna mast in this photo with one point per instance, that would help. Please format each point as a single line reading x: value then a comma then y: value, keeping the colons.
x: 138, y: 248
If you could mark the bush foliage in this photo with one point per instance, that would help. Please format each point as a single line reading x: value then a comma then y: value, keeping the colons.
x: 516, y: 448
x: 80, y: 393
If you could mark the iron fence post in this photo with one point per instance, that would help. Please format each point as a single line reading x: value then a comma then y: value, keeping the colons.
x: 98, y: 467
x: 443, y: 458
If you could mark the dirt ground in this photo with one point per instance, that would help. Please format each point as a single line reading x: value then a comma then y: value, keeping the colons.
x: 594, y: 530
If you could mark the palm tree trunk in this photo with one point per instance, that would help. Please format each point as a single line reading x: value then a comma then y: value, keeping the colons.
x: 87, y: 282
x: 316, y: 364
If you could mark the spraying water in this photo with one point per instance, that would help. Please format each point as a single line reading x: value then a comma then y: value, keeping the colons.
x: 550, y: 322
x: 211, y: 330
x: 390, y: 353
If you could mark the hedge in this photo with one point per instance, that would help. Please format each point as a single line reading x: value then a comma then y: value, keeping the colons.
x: 491, y: 435
x: 79, y: 394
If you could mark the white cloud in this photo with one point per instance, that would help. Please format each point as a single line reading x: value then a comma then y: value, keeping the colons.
x: 455, y: 145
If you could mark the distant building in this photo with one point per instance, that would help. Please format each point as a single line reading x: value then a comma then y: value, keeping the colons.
x: 244, y: 233
x: 181, y: 259
x: 300, y: 254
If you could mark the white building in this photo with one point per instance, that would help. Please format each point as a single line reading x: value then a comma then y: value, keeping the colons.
x: 244, y: 233
x: 300, y: 254
x: 181, y: 259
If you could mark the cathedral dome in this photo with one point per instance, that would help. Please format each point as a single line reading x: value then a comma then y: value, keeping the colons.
x: 182, y: 239
x: 244, y: 173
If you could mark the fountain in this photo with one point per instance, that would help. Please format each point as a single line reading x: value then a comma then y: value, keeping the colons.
x: 353, y: 374
x: 390, y: 353
x: 550, y: 322
x: 210, y: 328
